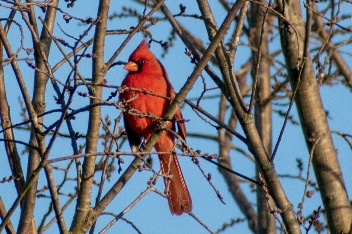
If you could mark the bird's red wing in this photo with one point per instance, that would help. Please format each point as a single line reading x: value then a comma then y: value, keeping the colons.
x: 181, y: 126
x: 178, y: 116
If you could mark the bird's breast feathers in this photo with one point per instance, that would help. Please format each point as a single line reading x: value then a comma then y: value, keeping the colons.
x: 142, y: 101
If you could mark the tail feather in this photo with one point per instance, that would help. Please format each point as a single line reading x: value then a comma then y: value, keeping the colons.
x: 175, y: 186
x: 176, y: 189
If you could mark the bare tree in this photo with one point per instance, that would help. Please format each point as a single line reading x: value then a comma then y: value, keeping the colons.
x: 75, y: 149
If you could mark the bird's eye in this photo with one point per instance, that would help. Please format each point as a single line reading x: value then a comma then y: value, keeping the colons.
x: 141, y: 62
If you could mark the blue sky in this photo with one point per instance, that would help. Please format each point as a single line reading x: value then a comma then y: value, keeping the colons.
x: 151, y: 214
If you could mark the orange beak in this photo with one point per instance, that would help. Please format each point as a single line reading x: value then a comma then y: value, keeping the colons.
x: 131, y: 66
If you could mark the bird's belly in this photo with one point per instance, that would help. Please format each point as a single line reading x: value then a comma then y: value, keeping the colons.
x: 145, y: 109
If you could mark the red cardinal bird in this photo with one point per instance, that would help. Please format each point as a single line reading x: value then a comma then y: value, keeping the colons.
x: 146, y: 72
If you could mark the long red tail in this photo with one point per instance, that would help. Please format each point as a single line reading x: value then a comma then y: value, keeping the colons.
x: 176, y: 189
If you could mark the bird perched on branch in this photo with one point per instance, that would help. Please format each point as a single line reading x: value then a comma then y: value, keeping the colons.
x: 145, y: 72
